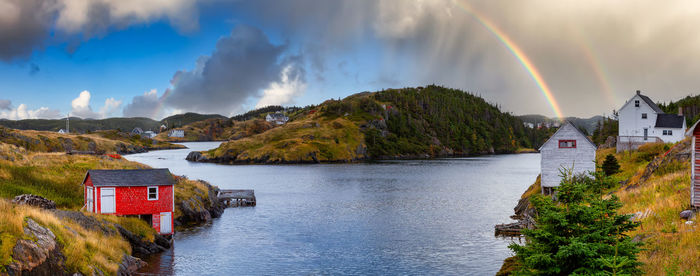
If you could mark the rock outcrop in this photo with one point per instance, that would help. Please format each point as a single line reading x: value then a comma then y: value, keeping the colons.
x: 34, y: 200
x: 197, y: 210
x: 39, y: 255
x: 130, y: 265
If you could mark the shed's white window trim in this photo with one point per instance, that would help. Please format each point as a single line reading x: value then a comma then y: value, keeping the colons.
x: 152, y: 192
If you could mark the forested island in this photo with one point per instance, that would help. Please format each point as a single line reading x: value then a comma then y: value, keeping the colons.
x: 420, y: 122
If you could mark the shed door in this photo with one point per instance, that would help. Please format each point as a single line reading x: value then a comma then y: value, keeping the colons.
x: 107, y: 200
x: 166, y: 223
x: 90, y: 200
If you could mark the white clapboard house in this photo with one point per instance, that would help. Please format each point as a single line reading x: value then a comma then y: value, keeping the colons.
x: 642, y: 121
x: 567, y: 149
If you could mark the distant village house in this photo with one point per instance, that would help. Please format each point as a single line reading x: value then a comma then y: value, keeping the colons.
x: 62, y: 131
x: 567, y: 149
x: 277, y: 118
x: 137, y: 131
x: 176, y: 133
x: 642, y: 121
x: 148, y: 194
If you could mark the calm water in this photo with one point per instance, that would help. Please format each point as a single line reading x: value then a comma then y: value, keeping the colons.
x: 426, y: 217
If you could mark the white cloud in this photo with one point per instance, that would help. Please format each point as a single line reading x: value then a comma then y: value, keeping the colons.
x: 22, y: 113
x: 284, y: 91
x: 111, y: 106
x: 80, y: 107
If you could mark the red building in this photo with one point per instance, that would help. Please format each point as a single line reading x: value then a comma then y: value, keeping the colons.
x: 148, y: 194
x: 694, y: 132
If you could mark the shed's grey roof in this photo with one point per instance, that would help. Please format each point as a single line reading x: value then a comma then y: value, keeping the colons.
x: 669, y: 121
x: 651, y: 104
x: 148, y: 177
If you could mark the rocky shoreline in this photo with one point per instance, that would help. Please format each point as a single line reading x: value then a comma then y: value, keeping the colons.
x: 196, y: 156
x: 42, y: 254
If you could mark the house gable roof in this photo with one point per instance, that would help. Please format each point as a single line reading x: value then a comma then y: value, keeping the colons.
x: 648, y: 101
x: 568, y: 124
x: 126, y: 178
x: 669, y: 121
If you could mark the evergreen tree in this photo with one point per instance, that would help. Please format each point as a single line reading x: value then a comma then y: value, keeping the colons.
x: 610, y: 165
x: 581, y: 233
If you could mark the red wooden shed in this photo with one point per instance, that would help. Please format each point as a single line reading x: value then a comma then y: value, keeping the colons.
x: 148, y: 194
x: 694, y: 132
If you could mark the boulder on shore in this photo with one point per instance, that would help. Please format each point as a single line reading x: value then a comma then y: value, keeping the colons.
x: 34, y: 200
x: 39, y: 255
x: 687, y: 214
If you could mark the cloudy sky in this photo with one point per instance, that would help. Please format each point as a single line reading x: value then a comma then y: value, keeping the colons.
x: 101, y: 58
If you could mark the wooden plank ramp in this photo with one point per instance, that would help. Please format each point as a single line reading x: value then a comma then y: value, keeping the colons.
x: 237, y: 198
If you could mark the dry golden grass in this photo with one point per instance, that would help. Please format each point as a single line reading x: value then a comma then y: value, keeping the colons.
x: 326, y: 139
x: 84, y: 249
x: 671, y: 246
x: 186, y: 189
x: 55, y: 176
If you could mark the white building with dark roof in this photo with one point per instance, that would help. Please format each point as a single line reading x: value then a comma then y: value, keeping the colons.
x: 642, y: 121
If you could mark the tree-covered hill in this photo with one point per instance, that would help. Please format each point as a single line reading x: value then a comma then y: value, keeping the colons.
x: 396, y: 123
x: 125, y: 124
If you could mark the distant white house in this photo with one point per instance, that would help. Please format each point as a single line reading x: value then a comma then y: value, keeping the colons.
x: 529, y: 125
x: 176, y: 133
x: 62, y: 131
x: 642, y: 121
x: 148, y: 134
x: 137, y: 130
x: 567, y: 149
x: 277, y: 118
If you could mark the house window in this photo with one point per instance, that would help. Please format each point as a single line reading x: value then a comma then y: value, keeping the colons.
x: 153, y: 193
x: 567, y: 144
x: 644, y: 115
x: 668, y: 132
x: 665, y: 132
x: 636, y: 103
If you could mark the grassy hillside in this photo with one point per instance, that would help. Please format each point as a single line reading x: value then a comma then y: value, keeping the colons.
x: 58, y: 177
x: 181, y: 120
x: 124, y: 124
x: 654, y: 185
x: 396, y: 123
x: 218, y: 130
x: 100, y: 142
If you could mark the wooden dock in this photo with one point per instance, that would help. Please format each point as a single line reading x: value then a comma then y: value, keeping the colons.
x: 236, y: 198
x: 510, y: 229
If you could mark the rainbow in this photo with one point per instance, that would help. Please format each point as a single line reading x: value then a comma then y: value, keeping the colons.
x: 597, y: 67
x: 517, y: 52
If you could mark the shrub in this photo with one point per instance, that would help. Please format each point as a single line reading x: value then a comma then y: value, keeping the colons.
x: 610, y: 165
x: 581, y: 233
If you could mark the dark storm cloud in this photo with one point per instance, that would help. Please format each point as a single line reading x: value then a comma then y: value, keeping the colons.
x: 23, y: 27
x: 146, y: 105
x: 5, y: 104
x: 25, y: 24
x: 593, y: 54
x: 242, y: 64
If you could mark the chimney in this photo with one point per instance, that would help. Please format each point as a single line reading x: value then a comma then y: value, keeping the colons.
x: 680, y: 111
x: 638, y: 92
